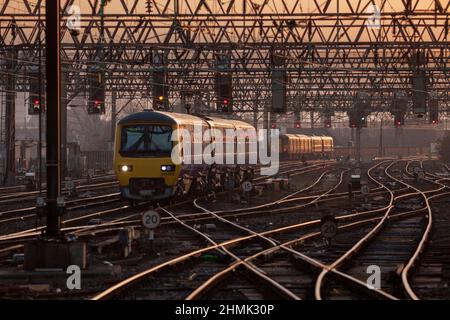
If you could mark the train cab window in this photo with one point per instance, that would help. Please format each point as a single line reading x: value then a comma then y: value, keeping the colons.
x: 146, y: 141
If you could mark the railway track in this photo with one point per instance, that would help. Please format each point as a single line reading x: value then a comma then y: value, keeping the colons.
x: 121, y: 210
x: 4, y: 191
x: 279, y: 262
x: 391, y: 245
x: 238, y: 256
x: 24, y: 197
x: 276, y: 286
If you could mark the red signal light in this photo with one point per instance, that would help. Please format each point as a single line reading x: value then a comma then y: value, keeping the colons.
x: 434, y: 122
x: 97, y: 102
x: 36, y: 102
x: 274, y: 126
x: 225, y: 101
x: 298, y: 125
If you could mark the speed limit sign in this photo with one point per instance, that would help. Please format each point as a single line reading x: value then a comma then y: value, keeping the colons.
x: 70, y: 185
x: 151, y: 220
x: 247, y: 186
x: 365, y: 190
x: 328, y: 227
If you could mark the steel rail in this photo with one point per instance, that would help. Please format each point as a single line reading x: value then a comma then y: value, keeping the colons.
x: 358, y: 246
x: 101, y: 213
x: 113, y: 290
x: 423, y: 241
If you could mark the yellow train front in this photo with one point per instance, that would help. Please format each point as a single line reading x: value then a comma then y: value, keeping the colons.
x: 143, y: 155
x: 142, y: 158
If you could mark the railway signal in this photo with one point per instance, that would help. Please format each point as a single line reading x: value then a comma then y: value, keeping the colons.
x: 399, y: 108
x: 34, y: 106
x: 363, y: 121
x: 160, y: 92
x: 96, y: 100
x: 419, y: 83
x: 360, y: 111
x: 224, y: 92
x: 327, y: 118
x: 434, y: 112
x: 279, y: 85
x: 34, y: 102
x: 399, y: 120
x: 357, y: 120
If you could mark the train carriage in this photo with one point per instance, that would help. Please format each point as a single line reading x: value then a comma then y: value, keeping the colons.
x: 317, y: 145
x: 151, y: 163
x: 328, y: 147
x: 295, y: 147
x: 145, y: 150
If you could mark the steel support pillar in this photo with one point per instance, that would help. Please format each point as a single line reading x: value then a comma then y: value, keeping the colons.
x: 53, y: 68
x: 266, y: 125
x: 10, y: 122
x: 381, y: 147
x: 358, y: 145
x: 64, y: 102
x: 353, y: 139
x: 113, y: 117
x: 266, y: 120
x: 255, y: 117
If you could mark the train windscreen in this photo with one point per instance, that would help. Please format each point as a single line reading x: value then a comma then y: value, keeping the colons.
x: 146, y: 141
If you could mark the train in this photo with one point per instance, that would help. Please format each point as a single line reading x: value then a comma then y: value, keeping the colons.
x: 296, y: 147
x: 152, y: 162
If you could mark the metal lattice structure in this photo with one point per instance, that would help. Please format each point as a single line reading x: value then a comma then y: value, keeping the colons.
x: 331, y: 49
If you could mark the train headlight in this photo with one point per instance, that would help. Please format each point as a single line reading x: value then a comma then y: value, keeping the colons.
x: 167, y: 168
x: 126, y: 168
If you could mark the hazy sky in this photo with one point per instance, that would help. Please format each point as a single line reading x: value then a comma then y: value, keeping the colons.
x: 273, y: 5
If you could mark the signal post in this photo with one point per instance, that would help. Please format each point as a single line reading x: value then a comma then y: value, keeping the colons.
x: 51, y: 250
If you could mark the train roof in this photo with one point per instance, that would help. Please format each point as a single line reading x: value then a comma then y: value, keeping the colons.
x: 157, y: 116
x: 229, y: 123
x: 179, y: 118
x: 302, y: 136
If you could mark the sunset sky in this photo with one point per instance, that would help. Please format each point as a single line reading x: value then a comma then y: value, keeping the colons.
x: 273, y: 6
